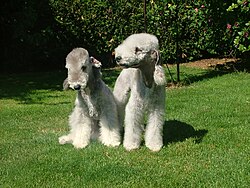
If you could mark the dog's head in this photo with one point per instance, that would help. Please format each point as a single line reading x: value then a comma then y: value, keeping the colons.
x: 141, y: 51
x: 80, y: 68
x: 137, y: 49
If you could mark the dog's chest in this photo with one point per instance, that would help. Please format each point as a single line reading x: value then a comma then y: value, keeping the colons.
x: 144, y: 94
x: 90, y: 103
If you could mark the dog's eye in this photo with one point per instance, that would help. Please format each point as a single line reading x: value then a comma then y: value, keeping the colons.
x: 137, y: 50
x: 84, y: 68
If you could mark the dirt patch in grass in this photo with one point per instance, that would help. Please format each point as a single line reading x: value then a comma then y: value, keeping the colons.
x: 206, y: 68
x: 220, y: 64
x: 212, y: 63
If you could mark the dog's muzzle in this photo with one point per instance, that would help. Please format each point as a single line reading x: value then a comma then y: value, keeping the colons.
x: 77, y: 87
x: 118, y: 59
x: 129, y: 66
x: 125, y: 65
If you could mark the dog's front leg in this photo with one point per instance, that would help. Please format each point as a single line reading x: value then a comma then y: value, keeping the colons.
x: 154, y: 130
x: 156, y: 120
x: 133, y: 123
x: 122, y: 93
x: 72, y: 124
x: 82, y: 131
x: 109, y: 127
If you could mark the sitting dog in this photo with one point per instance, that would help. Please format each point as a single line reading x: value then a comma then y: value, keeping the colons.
x: 95, y: 111
x: 140, y: 89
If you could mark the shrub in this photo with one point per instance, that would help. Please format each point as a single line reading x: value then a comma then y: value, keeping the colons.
x: 28, y: 36
x: 240, y: 27
x: 98, y: 25
x: 38, y: 34
x: 101, y: 25
x: 197, y: 25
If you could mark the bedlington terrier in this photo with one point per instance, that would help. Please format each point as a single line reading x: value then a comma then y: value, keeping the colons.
x: 95, y: 112
x: 140, y: 88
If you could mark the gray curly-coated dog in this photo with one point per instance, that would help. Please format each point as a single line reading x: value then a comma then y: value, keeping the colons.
x: 140, y: 90
x: 95, y: 111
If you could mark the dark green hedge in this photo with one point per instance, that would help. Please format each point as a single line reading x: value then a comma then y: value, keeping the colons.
x: 37, y: 35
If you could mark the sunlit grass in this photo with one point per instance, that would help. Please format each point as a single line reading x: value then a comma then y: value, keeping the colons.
x: 206, y: 136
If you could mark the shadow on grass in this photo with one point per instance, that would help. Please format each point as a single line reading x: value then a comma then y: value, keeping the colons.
x: 222, y: 69
x: 20, y: 87
x: 177, y: 131
x: 188, y: 78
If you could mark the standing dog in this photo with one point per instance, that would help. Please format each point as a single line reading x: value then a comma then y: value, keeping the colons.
x: 140, y: 89
x: 95, y: 112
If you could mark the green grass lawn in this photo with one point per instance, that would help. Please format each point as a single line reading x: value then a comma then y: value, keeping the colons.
x: 206, y: 136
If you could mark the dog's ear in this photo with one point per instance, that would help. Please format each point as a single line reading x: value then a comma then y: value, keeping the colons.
x: 159, y: 75
x: 95, y: 62
x: 96, y: 67
x: 66, y: 84
x: 155, y: 54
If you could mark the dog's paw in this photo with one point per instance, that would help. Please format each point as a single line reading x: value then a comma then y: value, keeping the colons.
x: 64, y: 139
x: 110, y: 139
x: 111, y: 143
x: 115, y: 143
x: 154, y: 147
x: 130, y: 147
x: 80, y: 144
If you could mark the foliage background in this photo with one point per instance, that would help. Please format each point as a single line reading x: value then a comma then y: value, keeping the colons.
x: 37, y: 35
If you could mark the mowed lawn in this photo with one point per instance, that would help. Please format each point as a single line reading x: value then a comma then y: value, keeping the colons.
x: 206, y: 136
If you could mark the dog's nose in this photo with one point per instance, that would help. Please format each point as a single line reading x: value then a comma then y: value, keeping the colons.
x: 77, y: 87
x: 118, y: 59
